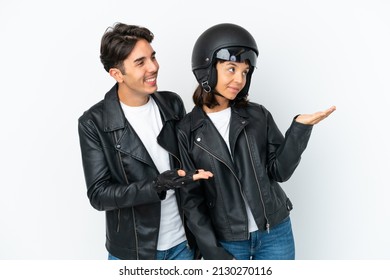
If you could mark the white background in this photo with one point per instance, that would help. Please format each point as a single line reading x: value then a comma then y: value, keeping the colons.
x: 313, y: 54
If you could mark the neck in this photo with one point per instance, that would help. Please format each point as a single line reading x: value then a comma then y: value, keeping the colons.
x: 222, y: 101
x: 132, y: 99
x: 215, y: 109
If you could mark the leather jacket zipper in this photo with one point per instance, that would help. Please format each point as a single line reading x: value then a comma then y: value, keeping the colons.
x: 132, y: 208
x: 181, y: 212
x: 176, y: 159
x: 239, y: 183
x: 257, y: 182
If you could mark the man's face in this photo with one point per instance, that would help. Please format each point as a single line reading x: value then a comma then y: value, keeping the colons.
x: 141, y: 68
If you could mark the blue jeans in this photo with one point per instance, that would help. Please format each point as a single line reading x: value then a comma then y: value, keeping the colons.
x: 179, y: 252
x: 278, y: 244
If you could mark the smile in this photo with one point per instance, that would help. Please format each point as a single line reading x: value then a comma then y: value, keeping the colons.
x: 151, y: 80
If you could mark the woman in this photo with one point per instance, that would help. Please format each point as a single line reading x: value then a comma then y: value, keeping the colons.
x: 242, y: 212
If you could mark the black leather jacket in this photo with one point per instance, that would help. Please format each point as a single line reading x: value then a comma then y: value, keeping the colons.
x: 119, y: 172
x: 260, y: 157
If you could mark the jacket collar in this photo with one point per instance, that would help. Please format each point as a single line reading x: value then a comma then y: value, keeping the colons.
x: 205, y: 134
x: 113, y: 115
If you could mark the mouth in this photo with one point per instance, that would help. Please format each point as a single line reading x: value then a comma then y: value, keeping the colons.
x: 151, y: 80
x: 234, y: 89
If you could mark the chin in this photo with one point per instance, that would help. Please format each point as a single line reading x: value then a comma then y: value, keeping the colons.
x: 152, y: 90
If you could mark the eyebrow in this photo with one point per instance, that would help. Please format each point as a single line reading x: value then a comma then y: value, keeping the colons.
x: 143, y: 58
x: 235, y: 64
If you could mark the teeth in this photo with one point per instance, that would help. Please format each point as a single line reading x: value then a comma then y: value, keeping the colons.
x: 151, y: 80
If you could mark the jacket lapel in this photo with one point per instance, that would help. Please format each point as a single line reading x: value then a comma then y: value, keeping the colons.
x: 207, y: 137
x: 167, y: 136
x: 125, y: 138
x: 238, y: 122
x: 129, y: 143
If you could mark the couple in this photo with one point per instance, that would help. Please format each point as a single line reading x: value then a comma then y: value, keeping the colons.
x: 197, y: 185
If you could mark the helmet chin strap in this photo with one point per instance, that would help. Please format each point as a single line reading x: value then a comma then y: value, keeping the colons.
x: 217, y: 93
x: 206, y: 87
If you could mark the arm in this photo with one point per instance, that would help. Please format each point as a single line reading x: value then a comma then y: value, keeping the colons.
x: 284, y: 154
x: 107, y: 192
x: 104, y: 190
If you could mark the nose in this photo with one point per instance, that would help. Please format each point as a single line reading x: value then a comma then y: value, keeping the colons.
x: 153, y: 65
x: 240, y: 78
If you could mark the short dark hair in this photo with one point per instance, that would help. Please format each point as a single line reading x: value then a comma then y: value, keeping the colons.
x: 118, y: 42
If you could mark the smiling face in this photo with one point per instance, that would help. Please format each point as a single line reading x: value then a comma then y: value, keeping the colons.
x: 231, y: 80
x: 139, y: 78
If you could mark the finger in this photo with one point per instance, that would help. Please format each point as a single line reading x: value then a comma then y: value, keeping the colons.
x: 202, y: 175
x: 319, y: 116
x: 330, y: 110
x: 181, y: 172
x: 210, y: 174
x: 197, y: 177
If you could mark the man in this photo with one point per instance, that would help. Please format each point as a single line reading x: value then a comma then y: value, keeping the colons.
x: 130, y: 154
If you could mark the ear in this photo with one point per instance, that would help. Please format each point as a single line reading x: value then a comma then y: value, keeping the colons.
x: 116, y: 74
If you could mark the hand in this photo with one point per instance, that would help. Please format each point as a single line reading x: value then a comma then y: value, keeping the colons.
x: 199, y: 174
x: 172, y: 179
x: 312, y: 119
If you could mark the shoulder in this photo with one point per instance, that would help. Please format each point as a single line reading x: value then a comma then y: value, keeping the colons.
x: 170, y: 101
x: 256, y: 108
x: 192, y: 120
x: 94, y: 112
x: 97, y: 109
x: 168, y: 95
x: 185, y: 121
x: 168, y: 98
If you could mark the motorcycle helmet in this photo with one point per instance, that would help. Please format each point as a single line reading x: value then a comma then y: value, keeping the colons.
x: 225, y: 41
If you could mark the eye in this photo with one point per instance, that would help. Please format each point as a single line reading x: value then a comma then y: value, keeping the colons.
x: 139, y: 62
x: 231, y: 69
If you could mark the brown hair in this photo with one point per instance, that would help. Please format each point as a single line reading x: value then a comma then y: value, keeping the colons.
x: 202, y: 97
x: 118, y: 42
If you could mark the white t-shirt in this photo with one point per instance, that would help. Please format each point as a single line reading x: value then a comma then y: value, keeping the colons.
x: 221, y: 121
x: 146, y: 121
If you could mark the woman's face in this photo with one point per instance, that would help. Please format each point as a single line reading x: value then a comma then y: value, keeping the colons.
x: 231, y: 79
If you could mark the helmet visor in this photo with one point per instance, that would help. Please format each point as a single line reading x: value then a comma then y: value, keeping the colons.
x: 237, y: 55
